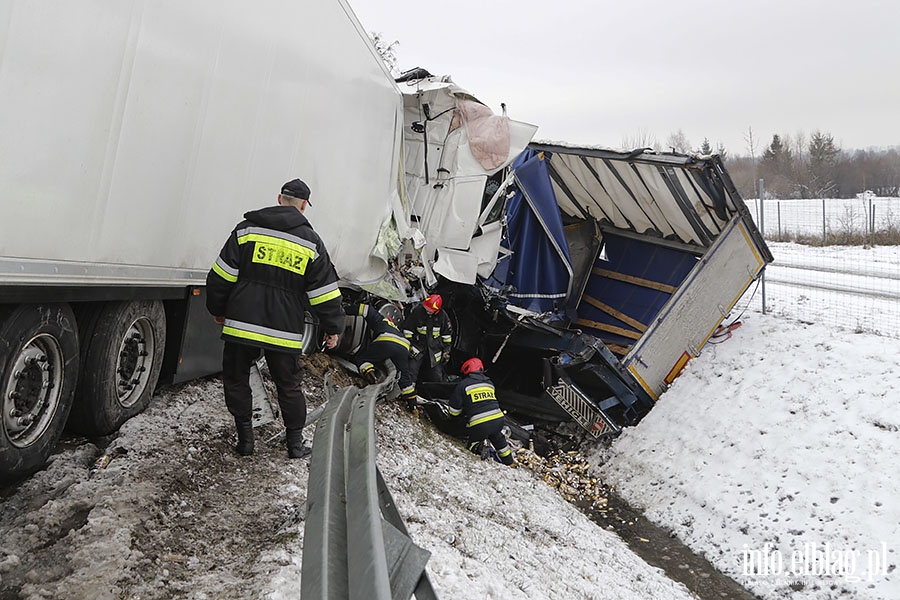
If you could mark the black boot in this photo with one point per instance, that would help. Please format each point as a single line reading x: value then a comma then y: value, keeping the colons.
x: 411, y: 401
x: 296, y: 447
x: 244, y: 445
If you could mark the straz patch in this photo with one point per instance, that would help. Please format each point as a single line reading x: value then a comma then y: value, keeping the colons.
x: 481, y: 394
x: 291, y: 257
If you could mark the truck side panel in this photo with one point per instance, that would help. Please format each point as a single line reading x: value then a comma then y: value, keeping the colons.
x: 696, y: 309
x: 138, y: 133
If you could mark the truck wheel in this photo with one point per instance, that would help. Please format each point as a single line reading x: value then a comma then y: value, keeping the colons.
x: 38, y: 372
x: 120, y: 367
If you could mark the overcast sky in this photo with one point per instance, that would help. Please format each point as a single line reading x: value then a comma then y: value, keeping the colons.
x: 602, y: 73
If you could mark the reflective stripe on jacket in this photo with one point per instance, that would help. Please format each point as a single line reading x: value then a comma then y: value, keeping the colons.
x: 475, y: 398
x: 431, y: 334
x: 271, y: 270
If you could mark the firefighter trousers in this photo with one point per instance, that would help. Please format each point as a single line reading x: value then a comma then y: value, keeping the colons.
x: 378, y: 352
x: 285, y: 371
x: 492, y: 431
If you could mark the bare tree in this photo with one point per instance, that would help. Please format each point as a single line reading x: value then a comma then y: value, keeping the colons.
x: 678, y: 142
x: 642, y: 139
x: 751, y: 142
x: 387, y: 51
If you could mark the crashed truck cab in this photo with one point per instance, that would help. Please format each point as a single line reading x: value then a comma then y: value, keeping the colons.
x: 584, y: 278
x: 614, y: 270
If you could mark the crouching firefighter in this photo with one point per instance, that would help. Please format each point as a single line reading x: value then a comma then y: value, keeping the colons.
x: 430, y: 336
x: 385, y: 342
x: 475, y: 400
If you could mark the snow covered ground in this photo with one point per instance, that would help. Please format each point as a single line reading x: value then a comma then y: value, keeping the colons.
x: 772, y: 455
x: 851, y: 287
x: 176, y: 514
x: 769, y: 449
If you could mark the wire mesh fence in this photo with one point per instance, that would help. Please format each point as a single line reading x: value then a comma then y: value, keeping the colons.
x: 837, y: 262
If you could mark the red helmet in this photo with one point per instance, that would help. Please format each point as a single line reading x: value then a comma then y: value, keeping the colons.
x: 433, y: 303
x: 473, y: 364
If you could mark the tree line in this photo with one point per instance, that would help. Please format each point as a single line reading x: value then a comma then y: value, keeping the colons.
x: 803, y: 167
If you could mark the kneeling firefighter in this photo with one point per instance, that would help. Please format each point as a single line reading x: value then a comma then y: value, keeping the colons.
x: 475, y: 400
x: 386, y: 342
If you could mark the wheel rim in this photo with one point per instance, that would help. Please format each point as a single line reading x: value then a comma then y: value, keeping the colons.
x: 134, y: 361
x: 32, y: 391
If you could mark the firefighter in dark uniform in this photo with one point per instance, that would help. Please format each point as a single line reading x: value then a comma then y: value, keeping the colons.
x: 271, y: 269
x: 386, y: 342
x: 428, y: 330
x: 475, y: 400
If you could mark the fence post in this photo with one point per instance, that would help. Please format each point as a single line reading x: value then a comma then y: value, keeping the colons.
x: 823, y: 221
x: 871, y: 220
x: 778, y: 205
x: 762, y: 227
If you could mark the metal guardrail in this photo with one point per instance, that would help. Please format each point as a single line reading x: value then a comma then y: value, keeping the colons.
x: 355, y: 542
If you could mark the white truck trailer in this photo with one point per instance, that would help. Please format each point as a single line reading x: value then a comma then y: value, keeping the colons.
x: 133, y: 136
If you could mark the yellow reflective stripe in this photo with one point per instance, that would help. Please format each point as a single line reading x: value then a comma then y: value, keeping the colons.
x: 488, y: 417
x: 505, y: 452
x: 408, y: 390
x: 392, y: 337
x: 221, y: 273
x: 362, y: 310
x: 261, y: 337
x: 325, y: 297
x: 454, y: 412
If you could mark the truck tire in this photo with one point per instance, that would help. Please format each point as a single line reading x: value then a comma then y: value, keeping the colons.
x: 122, y: 357
x: 38, y: 374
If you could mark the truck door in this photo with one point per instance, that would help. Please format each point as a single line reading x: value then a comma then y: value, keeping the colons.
x: 696, y: 309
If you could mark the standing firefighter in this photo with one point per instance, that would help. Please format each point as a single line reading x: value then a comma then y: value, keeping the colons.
x: 386, y: 342
x: 475, y: 400
x: 272, y: 267
x: 428, y: 329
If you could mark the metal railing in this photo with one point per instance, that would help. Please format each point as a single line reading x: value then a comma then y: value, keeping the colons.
x: 355, y: 542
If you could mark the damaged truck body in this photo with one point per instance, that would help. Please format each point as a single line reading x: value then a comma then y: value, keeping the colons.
x: 616, y: 269
x: 584, y: 278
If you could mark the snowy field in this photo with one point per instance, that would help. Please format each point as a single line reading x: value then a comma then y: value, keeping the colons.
x: 831, y: 215
x: 850, y: 287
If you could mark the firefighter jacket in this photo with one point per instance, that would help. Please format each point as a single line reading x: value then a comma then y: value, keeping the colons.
x: 381, y: 328
x: 428, y: 333
x: 474, y: 398
x: 271, y: 269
